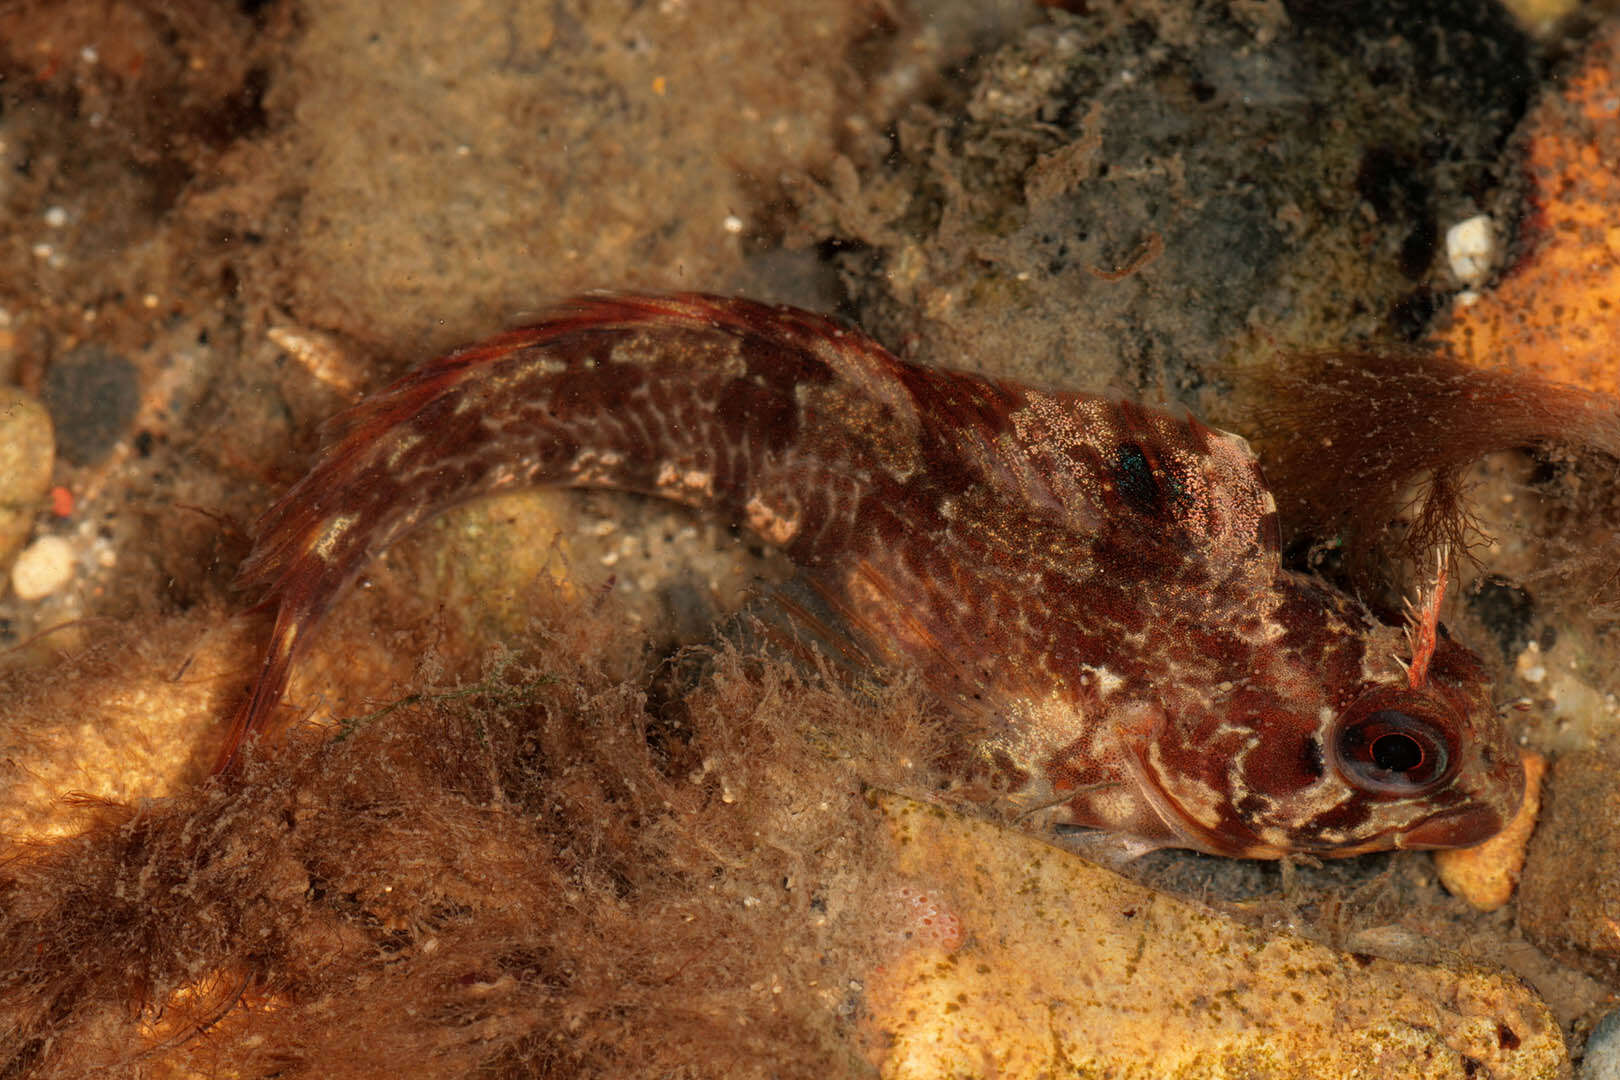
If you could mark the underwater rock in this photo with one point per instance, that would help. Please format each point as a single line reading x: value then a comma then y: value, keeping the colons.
x: 1069, y: 969
x: 1569, y: 901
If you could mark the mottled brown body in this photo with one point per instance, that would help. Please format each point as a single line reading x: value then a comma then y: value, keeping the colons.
x: 1092, y: 588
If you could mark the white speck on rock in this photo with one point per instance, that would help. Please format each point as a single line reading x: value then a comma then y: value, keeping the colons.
x: 1471, y: 249
x: 43, y: 567
x: 1529, y: 664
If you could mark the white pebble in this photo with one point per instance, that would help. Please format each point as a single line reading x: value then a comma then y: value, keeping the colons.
x: 43, y: 567
x: 1529, y: 664
x: 1471, y: 249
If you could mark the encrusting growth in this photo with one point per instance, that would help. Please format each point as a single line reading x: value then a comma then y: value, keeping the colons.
x: 1092, y: 589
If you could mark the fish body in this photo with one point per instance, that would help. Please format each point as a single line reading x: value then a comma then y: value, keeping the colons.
x: 1093, y: 589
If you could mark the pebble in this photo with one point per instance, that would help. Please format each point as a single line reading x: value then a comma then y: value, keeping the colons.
x: 1602, y: 1060
x: 1471, y: 249
x: 93, y: 395
x: 27, y: 453
x: 1485, y: 875
x: 1541, y: 16
x: 43, y: 567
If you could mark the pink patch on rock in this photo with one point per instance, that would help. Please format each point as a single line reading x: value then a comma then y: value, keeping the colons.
x: 925, y: 919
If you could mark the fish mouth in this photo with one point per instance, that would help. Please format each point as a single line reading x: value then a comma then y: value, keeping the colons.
x: 1462, y: 827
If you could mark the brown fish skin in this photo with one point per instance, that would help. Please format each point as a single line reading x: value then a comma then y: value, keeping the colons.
x: 1092, y: 588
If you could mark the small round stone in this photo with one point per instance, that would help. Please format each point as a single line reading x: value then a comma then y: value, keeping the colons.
x: 1471, y: 249
x: 93, y: 395
x: 43, y: 567
x: 1602, y: 1060
x: 1486, y: 875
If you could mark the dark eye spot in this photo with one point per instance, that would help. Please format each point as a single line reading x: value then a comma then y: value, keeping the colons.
x: 1155, y: 488
x: 1134, y: 475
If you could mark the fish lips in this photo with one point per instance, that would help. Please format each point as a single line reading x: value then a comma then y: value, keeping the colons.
x: 1464, y: 826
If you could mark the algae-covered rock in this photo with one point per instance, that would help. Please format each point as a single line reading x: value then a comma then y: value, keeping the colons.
x: 27, y: 451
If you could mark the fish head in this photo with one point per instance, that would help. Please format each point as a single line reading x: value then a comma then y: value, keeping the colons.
x: 1332, y: 743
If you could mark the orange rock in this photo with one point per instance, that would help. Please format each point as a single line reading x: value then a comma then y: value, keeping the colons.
x: 1556, y: 311
x: 1485, y: 875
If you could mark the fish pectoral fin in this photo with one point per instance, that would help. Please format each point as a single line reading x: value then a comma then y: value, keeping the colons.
x: 1109, y: 849
x: 794, y: 619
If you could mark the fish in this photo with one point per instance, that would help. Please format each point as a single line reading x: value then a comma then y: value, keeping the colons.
x: 1091, y: 589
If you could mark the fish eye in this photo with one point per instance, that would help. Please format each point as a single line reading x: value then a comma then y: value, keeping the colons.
x: 1393, y: 751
